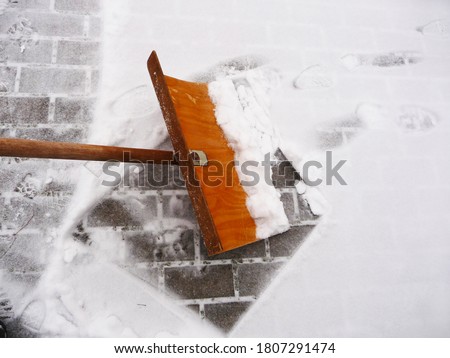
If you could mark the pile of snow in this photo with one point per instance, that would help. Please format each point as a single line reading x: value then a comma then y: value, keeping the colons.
x: 242, y: 112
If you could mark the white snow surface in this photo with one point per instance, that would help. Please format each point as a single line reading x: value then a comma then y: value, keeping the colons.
x: 378, y: 264
x: 3, y: 5
x: 247, y: 128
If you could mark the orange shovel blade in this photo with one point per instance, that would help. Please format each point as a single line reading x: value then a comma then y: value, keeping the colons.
x: 218, y: 199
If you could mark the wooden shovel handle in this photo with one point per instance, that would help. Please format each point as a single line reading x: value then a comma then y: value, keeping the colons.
x: 12, y: 147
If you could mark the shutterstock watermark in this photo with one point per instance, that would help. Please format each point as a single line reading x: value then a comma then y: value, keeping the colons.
x: 216, y: 173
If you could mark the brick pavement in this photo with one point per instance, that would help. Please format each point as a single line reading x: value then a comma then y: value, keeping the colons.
x: 50, y: 96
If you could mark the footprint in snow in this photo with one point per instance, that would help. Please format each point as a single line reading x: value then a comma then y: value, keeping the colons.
x: 414, y: 119
x: 437, y: 28
x: 174, y: 244
x: 409, y: 119
x: 314, y: 77
x: 390, y: 59
x: 229, y: 68
x: 28, y: 187
x: 23, y: 33
x: 81, y: 235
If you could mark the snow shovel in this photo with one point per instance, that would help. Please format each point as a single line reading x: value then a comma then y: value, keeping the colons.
x: 221, y: 211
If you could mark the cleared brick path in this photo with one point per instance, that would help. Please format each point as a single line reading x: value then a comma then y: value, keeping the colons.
x: 49, y: 70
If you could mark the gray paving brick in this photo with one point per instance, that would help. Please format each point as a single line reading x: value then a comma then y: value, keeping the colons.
x: 175, y: 175
x: 256, y: 249
x: 144, y: 209
x: 85, y: 6
x: 46, y: 24
x: 40, y: 52
x: 150, y: 247
x: 193, y: 308
x: 95, y: 26
x: 20, y: 110
x: 111, y: 213
x: 95, y: 81
x: 143, y: 179
x: 16, y: 329
x: 25, y: 254
x: 9, y: 176
x: 254, y: 278
x: 163, y: 177
x: 50, y: 134
x: 52, y: 80
x: 284, y: 175
x: 288, y: 242
x: 57, y: 24
x: 225, y: 315
x: 7, y: 79
x: 29, y: 280
x: 47, y: 212
x: 288, y: 204
x: 74, y: 110
x: 30, y: 4
x: 78, y: 52
x: 131, y: 179
x: 179, y: 206
x: 304, y: 209
x: 16, y: 213
x: 200, y: 282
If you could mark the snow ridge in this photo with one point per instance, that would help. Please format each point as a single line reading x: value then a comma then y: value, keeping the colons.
x: 242, y: 113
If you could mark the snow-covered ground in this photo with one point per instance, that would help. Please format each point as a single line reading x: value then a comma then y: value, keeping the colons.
x: 368, y: 80
x: 378, y: 265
